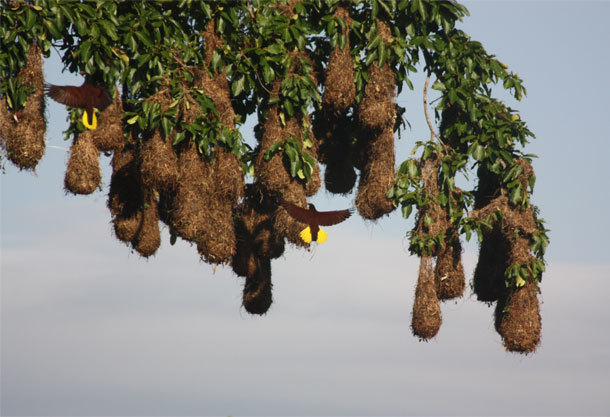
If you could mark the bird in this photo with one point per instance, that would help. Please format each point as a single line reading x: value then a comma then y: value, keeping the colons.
x: 314, y: 219
x: 87, y: 96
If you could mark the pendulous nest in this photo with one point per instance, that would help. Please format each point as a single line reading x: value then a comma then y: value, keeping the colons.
x: 518, y: 319
x: 257, y: 296
x: 148, y: 237
x: 125, y: 197
x: 158, y: 163
x: 449, y: 271
x: 22, y: 132
x: 377, y: 177
x: 426, y: 320
x: 109, y: 133
x: 83, y: 174
x: 339, y: 86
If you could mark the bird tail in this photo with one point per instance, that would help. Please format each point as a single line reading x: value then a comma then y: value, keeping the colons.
x: 93, y: 124
x: 307, y: 238
x: 306, y: 235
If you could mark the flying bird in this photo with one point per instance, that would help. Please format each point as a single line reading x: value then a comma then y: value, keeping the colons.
x: 314, y: 219
x: 87, y: 96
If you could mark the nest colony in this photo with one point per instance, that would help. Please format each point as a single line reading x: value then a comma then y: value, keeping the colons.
x: 22, y: 131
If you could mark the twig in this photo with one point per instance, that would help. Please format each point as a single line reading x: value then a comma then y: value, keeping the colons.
x: 426, y: 112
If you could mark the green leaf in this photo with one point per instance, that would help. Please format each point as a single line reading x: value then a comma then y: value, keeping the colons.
x: 478, y: 153
x: 238, y: 86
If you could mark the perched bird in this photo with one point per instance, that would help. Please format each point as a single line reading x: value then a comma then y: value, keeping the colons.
x: 315, y: 219
x: 87, y: 96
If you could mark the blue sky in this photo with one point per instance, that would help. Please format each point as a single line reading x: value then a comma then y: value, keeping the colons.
x: 88, y: 328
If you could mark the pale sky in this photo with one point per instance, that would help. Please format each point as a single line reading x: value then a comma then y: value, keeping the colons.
x: 88, y: 328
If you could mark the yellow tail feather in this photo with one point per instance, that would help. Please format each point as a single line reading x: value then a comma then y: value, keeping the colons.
x: 322, y: 236
x: 93, y: 125
x: 306, y: 235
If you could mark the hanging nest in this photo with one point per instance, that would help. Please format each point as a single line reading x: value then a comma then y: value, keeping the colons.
x: 125, y: 197
x: 427, y: 318
x: 377, y: 177
x: 188, y: 203
x: 22, y: 132
x: 488, y: 279
x: 148, y: 238
x: 83, y: 174
x: 449, y: 272
x: 109, y: 134
x: 335, y: 151
x: 339, y: 86
x: 257, y: 296
x: 218, y: 243
x: 431, y: 219
x: 518, y: 319
x: 158, y: 163
x: 377, y: 111
x: 254, y: 231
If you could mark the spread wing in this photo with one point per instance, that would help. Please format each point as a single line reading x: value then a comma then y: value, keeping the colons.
x: 82, y: 96
x: 322, y: 218
x: 297, y: 212
x: 328, y: 218
x: 67, y: 94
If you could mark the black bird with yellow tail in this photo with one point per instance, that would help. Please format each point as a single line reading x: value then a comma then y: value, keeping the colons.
x: 314, y: 219
x: 88, y: 96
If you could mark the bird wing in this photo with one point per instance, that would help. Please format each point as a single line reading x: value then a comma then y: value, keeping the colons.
x: 328, y: 218
x: 297, y: 212
x: 80, y: 96
x: 102, y: 99
x: 66, y: 94
x: 322, y: 218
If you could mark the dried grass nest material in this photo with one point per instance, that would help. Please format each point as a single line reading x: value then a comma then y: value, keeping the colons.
x: 201, y: 209
x: 339, y: 86
x: 125, y: 197
x: 449, y: 271
x: 518, y: 319
x: 426, y: 320
x: 377, y: 177
x: 148, y: 237
x: 109, y: 133
x: 22, y: 132
x: 257, y: 295
x: 83, y: 174
x: 158, y: 163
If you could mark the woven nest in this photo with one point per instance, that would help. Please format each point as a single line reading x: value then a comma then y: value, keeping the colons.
x: 125, y: 197
x: 339, y: 87
x: 426, y: 320
x: 488, y: 279
x: 257, y: 296
x: 201, y: 210
x: 518, y: 319
x: 158, y: 163
x: 449, y: 272
x: 109, y: 133
x: 22, y: 132
x: 431, y: 219
x: 148, y: 237
x: 334, y: 136
x: 377, y: 177
x: 377, y: 110
x: 83, y: 174
x: 255, y: 233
